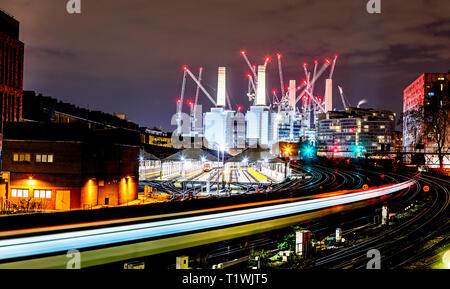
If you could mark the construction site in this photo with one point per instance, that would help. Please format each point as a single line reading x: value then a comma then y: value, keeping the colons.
x: 287, y: 114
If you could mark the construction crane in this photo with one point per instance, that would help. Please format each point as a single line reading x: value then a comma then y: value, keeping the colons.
x: 344, y: 100
x: 314, y: 75
x: 280, y: 72
x: 180, y: 102
x: 186, y: 69
x: 275, y: 99
x: 252, y: 68
x: 266, y: 61
x: 333, y: 65
x: 251, y: 88
x: 197, y: 91
x: 307, y: 84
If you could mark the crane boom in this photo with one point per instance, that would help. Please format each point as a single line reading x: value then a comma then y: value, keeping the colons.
x: 315, y: 100
x: 200, y: 85
x: 200, y: 71
x: 252, y: 69
x: 252, y: 83
x: 280, y: 71
x: 183, y: 88
x: 228, y: 100
x: 319, y: 73
x: 344, y: 100
x: 314, y: 76
x: 332, y: 67
x: 266, y: 61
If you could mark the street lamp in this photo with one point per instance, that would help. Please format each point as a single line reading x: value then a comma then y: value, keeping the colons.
x: 222, y: 148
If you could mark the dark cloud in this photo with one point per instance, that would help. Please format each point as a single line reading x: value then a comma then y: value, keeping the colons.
x: 439, y: 28
x: 126, y: 55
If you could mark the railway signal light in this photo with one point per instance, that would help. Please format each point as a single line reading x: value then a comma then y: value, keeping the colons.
x: 308, y: 151
x: 358, y: 149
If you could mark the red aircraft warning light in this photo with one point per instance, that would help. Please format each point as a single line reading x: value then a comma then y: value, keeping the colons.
x: 185, y: 67
x: 178, y: 100
x: 328, y: 61
x: 243, y: 52
x: 239, y: 108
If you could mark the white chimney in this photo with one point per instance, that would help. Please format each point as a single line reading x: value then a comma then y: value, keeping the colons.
x: 261, y: 86
x: 328, y: 95
x: 221, y: 87
x: 292, y: 91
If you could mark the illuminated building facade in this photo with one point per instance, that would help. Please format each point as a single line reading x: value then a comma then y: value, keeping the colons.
x: 11, y: 70
x: 341, y: 132
x: 69, y: 166
x: 398, y: 141
x: 429, y: 90
x: 156, y: 138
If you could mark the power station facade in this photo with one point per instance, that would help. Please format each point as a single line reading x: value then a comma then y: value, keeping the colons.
x: 292, y: 117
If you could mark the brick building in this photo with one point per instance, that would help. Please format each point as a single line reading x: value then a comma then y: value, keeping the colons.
x: 11, y: 70
x: 69, y: 166
x: 422, y: 92
x: 429, y: 95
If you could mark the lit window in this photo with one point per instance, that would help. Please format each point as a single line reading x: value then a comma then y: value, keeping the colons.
x: 14, y: 193
x: 48, y: 194
x: 42, y: 194
x: 18, y: 157
x: 19, y: 193
x: 36, y: 194
x: 44, y: 158
x: 25, y: 193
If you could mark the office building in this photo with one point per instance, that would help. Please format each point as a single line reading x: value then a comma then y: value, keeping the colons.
x: 354, y: 132
x: 11, y: 70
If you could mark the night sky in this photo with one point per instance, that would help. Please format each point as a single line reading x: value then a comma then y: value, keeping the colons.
x: 126, y: 56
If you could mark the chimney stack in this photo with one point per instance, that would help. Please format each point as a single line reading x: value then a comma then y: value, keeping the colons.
x: 292, y: 91
x: 261, y: 86
x: 221, y: 87
x: 328, y: 95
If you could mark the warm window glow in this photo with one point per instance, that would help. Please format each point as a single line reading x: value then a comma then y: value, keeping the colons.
x: 19, y: 193
x: 43, y: 194
x: 44, y: 158
x: 21, y: 157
